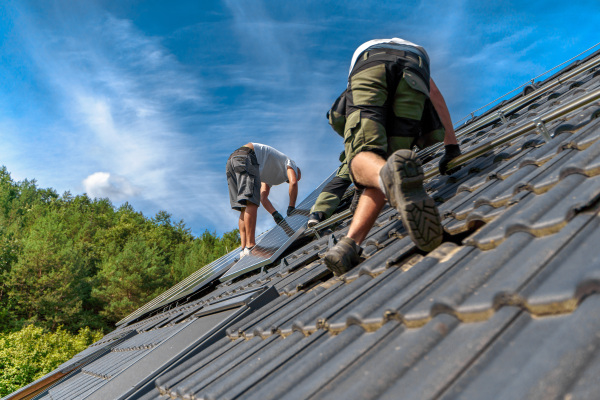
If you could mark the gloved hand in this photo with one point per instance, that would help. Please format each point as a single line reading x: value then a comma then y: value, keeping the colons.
x: 452, y: 151
x: 290, y: 210
x: 277, y: 217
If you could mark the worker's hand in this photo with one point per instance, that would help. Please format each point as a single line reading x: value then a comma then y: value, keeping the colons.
x: 290, y: 210
x: 452, y: 151
x: 277, y: 217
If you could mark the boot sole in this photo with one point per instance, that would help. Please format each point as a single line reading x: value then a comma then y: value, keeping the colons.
x: 418, y: 211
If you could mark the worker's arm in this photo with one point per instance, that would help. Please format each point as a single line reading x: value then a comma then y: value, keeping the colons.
x: 450, y: 142
x: 440, y: 106
x: 293, y: 181
x: 264, y: 197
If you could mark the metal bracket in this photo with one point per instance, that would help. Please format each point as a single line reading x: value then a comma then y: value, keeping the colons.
x: 283, y: 264
x: 502, y: 117
x: 540, y: 127
x: 332, y: 241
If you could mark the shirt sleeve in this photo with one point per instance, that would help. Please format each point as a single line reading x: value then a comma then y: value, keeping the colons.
x: 292, y: 165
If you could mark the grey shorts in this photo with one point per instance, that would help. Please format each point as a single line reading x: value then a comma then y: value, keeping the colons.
x: 243, y: 178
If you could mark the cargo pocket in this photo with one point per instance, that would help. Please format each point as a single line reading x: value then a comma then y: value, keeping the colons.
x: 352, y: 139
x: 416, y: 82
x: 411, y: 93
x: 252, y: 168
x: 337, y: 114
x: 239, y: 164
x: 252, y: 176
x: 369, y: 87
x: 351, y: 123
x: 343, y: 171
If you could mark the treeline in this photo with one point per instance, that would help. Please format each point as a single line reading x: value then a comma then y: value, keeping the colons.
x: 77, y: 262
x: 33, y: 352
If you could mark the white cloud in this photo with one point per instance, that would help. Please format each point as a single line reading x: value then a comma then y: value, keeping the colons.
x: 104, y: 184
x: 122, y: 95
x: 160, y: 130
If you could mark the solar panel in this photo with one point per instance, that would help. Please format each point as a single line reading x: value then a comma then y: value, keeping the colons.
x: 269, y: 247
x: 192, y: 283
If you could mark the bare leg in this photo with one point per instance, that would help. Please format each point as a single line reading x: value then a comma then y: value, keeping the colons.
x: 370, y: 204
x: 250, y: 224
x: 365, y: 169
x: 242, y: 227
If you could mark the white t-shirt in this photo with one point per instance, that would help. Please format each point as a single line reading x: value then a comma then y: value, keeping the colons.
x: 272, y: 164
x: 396, y: 43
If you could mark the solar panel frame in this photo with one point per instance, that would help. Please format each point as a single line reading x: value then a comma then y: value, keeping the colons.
x: 195, y: 281
x: 278, y: 239
x: 270, y: 245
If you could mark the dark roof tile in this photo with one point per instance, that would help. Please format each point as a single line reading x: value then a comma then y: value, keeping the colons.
x: 570, y: 276
x: 534, y: 358
x: 506, y: 284
x: 475, y: 318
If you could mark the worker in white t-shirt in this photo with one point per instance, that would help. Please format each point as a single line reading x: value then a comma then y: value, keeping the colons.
x: 251, y: 171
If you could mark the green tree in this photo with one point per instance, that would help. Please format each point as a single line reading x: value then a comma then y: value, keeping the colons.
x: 131, y: 278
x: 70, y: 262
x: 202, y: 251
x: 51, y: 279
x: 74, y: 261
x: 33, y: 352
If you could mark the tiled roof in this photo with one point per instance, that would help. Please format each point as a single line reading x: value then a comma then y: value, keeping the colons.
x: 507, y: 307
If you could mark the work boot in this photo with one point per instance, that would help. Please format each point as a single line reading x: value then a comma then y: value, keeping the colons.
x: 244, y: 252
x: 315, y: 218
x: 342, y: 257
x: 402, y: 177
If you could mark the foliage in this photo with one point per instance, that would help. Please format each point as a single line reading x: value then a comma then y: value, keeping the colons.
x: 71, y: 266
x: 33, y: 352
x: 131, y: 277
x: 77, y: 262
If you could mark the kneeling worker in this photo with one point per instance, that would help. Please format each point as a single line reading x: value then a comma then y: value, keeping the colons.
x: 392, y: 105
x: 330, y: 197
x: 251, y: 171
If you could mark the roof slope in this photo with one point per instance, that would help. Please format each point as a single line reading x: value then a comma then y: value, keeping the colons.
x: 506, y: 307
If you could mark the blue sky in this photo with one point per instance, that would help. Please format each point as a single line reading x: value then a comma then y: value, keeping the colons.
x: 143, y: 101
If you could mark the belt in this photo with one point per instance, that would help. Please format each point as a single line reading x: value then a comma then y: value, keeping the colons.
x: 412, y: 60
x: 400, y: 53
x: 242, y: 150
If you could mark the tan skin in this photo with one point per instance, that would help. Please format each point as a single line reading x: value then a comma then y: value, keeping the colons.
x: 366, y: 166
x: 247, y: 220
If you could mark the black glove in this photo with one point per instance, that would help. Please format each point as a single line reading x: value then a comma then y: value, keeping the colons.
x: 277, y: 217
x: 290, y: 210
x: 452, y: 151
